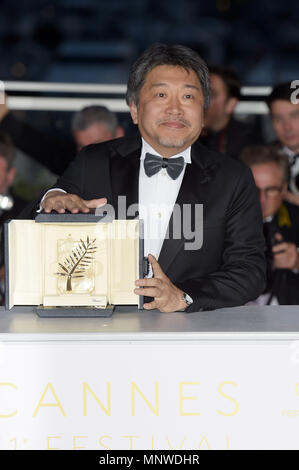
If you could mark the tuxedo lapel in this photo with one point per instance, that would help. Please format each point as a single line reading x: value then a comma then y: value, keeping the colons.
x: 195, y: 189
x: 124, y: 173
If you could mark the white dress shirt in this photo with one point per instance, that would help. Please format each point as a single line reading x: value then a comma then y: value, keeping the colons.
x: 294, y: 170
x: 157, y: 196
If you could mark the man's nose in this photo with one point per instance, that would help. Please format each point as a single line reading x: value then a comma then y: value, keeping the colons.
x: 174, y: 106
x: 263, y: 198
x: 287, y: 125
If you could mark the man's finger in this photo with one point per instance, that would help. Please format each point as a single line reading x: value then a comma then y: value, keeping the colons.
x: 280, y: 248
x: 149, y: 292
x: 157, y: 270
x: 278, y: 236
x: 148, y: 282
x: 150, y: 305
x: 94, y: 203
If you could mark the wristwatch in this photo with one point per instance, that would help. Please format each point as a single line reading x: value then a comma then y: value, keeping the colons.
x: 187, y: 299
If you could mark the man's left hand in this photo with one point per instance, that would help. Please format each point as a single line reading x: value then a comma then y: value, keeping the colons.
x: 285, y: 254
x: 167, y: 297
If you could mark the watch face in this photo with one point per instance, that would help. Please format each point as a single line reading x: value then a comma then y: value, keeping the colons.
x: 187, y: 299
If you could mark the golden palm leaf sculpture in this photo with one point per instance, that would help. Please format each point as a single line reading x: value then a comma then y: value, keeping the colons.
x: 75, y: 265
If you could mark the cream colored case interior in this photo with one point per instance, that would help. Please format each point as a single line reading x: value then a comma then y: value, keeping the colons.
x: 37, y: 251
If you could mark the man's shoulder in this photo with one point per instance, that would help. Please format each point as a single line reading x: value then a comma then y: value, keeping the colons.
x: 293, y: 211
x: 211, y: 159
x: 121, y: 146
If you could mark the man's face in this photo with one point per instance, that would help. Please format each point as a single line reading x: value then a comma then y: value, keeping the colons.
x: 221, y: 105
x: 6, y: 176
x: 94, y: 134
x: 285, y: 120
x: 170, y: 109
x: 269, y: 181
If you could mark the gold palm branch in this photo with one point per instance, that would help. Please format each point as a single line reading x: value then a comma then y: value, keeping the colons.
x: 75, y: 265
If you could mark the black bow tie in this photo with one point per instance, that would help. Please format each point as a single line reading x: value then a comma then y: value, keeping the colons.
x: 294, y: 159
x: 154, y: 163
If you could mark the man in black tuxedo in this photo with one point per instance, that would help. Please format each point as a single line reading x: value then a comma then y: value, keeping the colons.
x: 270, y: 168
x: 283, y: 105
x: 168, y: 90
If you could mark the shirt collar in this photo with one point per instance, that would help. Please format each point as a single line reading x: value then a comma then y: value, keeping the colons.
x: 290, y: 153
x: 146, y: 148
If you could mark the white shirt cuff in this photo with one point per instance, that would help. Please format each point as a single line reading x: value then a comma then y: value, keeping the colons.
x: 50, y: 190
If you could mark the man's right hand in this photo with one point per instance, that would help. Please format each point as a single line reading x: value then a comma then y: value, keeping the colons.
x: 60, y: 202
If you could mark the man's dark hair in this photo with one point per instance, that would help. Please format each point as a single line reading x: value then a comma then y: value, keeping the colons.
x: 259, y: 154
x: 7, y: 150
x: 163, y: 54
x: 282, y: 91
x: 90, y: 115
x: 230, y: 79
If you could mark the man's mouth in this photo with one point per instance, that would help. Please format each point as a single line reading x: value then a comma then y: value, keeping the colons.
x: 174, y: 124
x: 290, y: 136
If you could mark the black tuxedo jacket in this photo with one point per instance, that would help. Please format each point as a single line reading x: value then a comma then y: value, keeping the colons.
x: 229, y: 268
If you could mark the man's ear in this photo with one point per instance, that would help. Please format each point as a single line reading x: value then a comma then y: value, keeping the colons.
x: 119, y: 132
x: 230, y: 105
x: 10, y: 177
x: 284, y: 189
x: 134, y: 112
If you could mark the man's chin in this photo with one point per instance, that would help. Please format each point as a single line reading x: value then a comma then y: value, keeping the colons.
x: 172, y: 143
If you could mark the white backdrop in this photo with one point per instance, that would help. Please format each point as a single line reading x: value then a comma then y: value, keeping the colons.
x: 122, y: 395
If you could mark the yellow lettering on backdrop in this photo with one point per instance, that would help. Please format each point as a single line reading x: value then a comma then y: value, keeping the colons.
x: 228, y: 398
x: 86, y: 388
x: 179, y: 448
x: 48, y: 405
x: 101, y: 442
x: 13, y: 413
x: 204, y: 439
x: 131, y: 440
x: 48, y: 442
x: 182, y: 398
x: 135, y: 387
x: 75, y: 447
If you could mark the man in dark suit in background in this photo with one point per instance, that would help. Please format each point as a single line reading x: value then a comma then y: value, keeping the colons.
x: 222, y: 131
x: 90, y: 125
x: 166, y: 170
x: 281, y: 224
x: 284, y: 113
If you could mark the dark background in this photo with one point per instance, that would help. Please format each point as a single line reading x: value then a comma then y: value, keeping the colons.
x: 96, y: 41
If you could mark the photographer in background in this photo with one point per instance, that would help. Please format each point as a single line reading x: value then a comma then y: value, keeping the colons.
x: 270, y: 169
x: 284, y: 115
x: 222, y: 131
x: 10, y: 204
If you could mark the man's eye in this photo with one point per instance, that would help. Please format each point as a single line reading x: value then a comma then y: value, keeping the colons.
x: 161, y: 95
x: 188, y: 97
